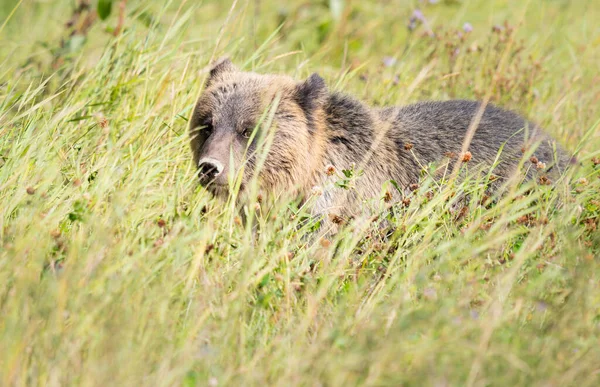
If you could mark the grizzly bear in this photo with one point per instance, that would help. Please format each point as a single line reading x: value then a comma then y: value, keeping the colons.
x: 316, y: 133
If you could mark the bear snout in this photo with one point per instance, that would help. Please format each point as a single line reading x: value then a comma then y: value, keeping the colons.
x: 209, y: 170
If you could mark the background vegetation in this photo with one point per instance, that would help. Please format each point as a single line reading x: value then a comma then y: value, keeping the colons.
x: 117, y: 269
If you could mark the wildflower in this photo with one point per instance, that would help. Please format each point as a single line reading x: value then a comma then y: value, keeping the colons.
x: 430, y: 293
x: 389, y: 61
x: 497, y: 28
x: 330, y: 170
x: 485, y: 226
x: 387, y: 196
x: 540, y: 165
x: 525, y: 219
x: 325, y: 243
x: 336, y: 219
x: 316, y: 191
x: 466, y: 157
x: 467, y: 27
x: 102, y: 121
x: 159, y: 242
x: 590, y: 224
x: 484, y: 200
x: 418, y: 15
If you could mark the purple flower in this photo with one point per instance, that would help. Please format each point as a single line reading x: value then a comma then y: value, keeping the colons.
x: 418, y: 15
x: 467, y: 27
x: 389, y: 61
x: 541, y: 306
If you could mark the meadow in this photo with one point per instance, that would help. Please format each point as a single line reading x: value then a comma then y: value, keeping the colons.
x: 117, y: 268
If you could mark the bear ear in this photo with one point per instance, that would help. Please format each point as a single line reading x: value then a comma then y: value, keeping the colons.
x: 219, y: 68
x: 311, y: 93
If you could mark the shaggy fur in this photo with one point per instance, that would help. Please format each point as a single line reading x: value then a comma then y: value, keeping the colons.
x: 315, y: 129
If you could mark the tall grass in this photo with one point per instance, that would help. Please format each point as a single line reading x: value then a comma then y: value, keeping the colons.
x: 116, y: 268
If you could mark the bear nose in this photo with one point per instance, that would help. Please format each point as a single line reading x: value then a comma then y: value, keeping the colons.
x: 209, y: 169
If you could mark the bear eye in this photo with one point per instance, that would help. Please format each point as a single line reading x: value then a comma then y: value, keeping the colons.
x: 206, y: 126
x: 246, y: 133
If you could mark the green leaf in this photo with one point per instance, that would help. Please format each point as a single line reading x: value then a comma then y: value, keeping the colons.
x: 104, y: 8
x: 395, y: 184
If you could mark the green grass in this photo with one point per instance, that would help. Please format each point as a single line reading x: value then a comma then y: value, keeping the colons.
x: 116, y: 268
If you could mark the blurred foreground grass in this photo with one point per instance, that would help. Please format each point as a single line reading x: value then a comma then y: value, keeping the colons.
x: 117, y: 269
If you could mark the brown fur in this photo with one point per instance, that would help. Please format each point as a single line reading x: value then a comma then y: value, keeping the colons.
x: 315, y: 129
